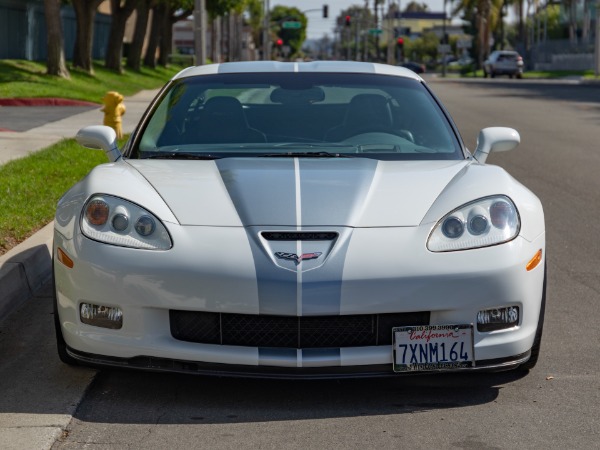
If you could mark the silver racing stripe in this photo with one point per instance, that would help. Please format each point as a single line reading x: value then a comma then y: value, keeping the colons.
x: 277, y: 288
x: 334, y: 190
x: 322, y: 288
x: 262, y: 189
x: 333, y: 193
x: 298, y: 194
x: 291, y: 357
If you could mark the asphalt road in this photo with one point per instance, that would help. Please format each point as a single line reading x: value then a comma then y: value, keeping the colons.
x: 557, y: 405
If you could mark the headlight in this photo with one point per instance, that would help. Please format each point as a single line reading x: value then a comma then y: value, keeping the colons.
x: 116, y: 221
x: 484, y: 222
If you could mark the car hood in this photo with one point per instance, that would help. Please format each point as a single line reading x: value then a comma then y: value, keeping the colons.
x: 299, y: 192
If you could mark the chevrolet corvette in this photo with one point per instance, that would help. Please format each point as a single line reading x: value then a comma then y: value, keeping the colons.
x: 299, y: 220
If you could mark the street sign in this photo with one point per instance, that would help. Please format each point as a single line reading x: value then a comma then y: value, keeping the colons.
x: 291, y: 25
x: 375, y: 31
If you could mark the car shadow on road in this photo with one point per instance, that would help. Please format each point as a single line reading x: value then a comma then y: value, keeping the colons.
x: 153, y: 398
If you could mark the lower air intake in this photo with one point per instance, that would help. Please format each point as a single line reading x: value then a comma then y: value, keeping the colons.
x: 290, y: 331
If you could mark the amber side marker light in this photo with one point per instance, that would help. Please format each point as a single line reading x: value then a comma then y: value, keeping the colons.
x: 63, y: 258
x: 533, y: 263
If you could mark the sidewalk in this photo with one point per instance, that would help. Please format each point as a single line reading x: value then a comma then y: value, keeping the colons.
x: 25, y: 268
x: 16, y: 145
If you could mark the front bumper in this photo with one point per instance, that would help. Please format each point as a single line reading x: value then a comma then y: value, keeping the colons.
x: 498, y: 70
x: 151, y: 364
x: 379, y: 271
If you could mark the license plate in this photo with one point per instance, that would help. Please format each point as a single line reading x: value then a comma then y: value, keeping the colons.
x: 433, y: 347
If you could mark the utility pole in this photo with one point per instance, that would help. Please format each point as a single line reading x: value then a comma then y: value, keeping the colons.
x: 388, y: 26
x: 266, y: 33
x: 200, y: 31
x: 376, y: 26
x: 444, y: 59
x: 357, y: 30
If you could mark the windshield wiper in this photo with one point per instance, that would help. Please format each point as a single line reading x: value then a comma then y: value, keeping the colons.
x: 182, y: 155
x: 306, y: 155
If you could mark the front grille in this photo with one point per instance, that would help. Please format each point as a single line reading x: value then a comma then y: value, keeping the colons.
x: 290, y: 331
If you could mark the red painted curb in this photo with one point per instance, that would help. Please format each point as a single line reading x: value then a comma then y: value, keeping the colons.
x: 44, y: 102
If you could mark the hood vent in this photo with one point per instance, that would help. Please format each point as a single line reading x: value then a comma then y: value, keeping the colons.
x: 299, y: 235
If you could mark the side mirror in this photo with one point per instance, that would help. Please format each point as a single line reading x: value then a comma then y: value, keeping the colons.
x: 495, y: 139
x: 100, y: 137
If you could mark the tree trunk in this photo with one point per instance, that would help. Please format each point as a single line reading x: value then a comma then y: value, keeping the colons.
x: 134, y: 60
x: 114, y: 51
x: 166, y: 41
x: 155, y: 36
x: 217, y: 40
x: 56, y: 64
x: 234, y: 38
x: 521, y: 34
x: 586, y: 25
x: 573, y: 22
x: 166, y: 37
x: 85, y: 10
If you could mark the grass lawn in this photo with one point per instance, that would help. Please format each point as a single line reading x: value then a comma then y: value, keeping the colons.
x: 559, y: 74
x: 20, y: 78
x: 30, y: 187
x: 531, y: 74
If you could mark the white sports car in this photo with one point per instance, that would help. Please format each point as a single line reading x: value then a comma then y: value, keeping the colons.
x: 304, y: 220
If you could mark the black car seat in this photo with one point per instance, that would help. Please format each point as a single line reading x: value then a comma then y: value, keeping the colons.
x: 223, y: 121
x: 365, y: 113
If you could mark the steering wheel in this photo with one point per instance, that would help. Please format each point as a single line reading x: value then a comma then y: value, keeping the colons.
x: 379, y: 137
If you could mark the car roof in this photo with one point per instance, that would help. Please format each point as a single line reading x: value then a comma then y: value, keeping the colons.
x: 302, y: 67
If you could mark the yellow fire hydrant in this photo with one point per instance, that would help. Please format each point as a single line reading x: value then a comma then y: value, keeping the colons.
x: 113, y: 111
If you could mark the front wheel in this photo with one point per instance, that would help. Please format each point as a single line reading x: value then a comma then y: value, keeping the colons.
x: 537, y: 341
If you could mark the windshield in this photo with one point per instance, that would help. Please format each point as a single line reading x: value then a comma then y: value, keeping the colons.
x: 297, y: 114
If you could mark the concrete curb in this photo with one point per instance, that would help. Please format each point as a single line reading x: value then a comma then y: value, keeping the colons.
x: 24, y: 269
x: 45, y: 102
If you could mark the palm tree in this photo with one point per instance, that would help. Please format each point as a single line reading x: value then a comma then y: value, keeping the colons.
x: 487, y: 15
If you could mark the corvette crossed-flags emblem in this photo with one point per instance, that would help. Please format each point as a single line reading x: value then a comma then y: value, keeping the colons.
x: 298, y: 258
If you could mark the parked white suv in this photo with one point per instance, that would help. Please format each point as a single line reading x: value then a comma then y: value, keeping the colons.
x: 503, y: 62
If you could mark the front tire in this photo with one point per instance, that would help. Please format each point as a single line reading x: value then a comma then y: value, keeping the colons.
x: 537, y: 341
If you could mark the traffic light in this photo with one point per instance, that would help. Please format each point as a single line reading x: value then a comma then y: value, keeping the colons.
x: 400, y: 49
x: 348, y: 18
x: 279, y: 42
x: 325, y: 11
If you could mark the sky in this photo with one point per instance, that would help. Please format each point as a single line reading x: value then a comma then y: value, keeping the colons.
x: 318, y: 26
